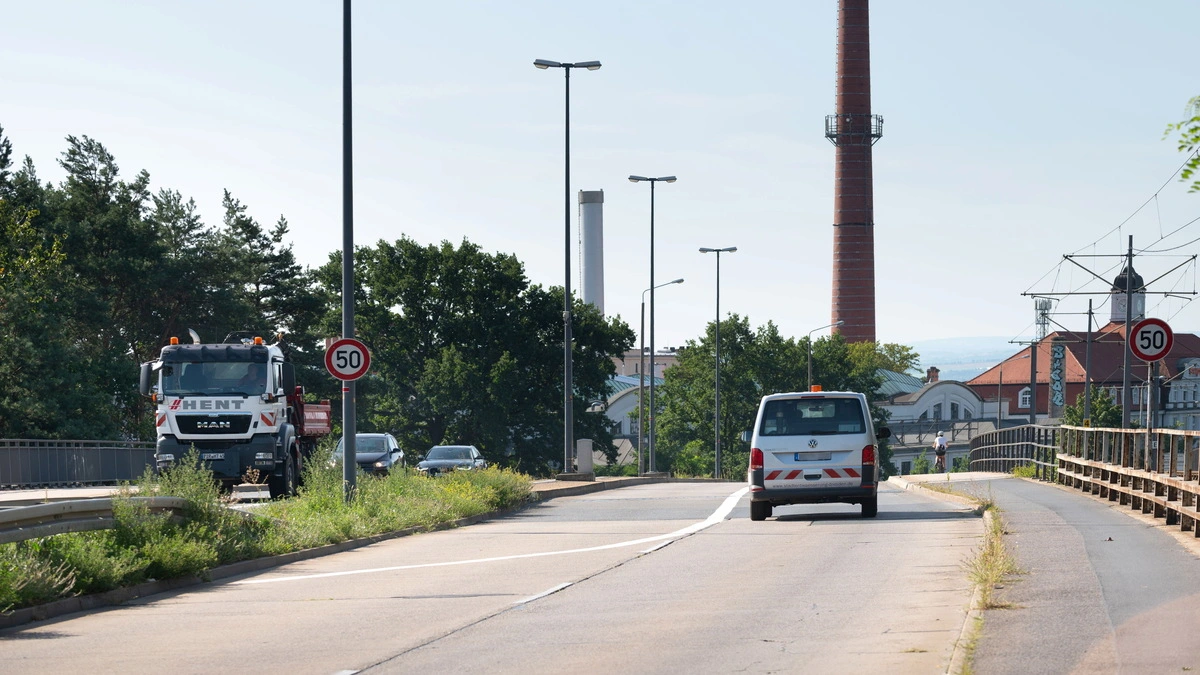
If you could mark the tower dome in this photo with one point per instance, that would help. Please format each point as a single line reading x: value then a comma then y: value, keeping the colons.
x: 1126, y: 281
x: 1120, y: 283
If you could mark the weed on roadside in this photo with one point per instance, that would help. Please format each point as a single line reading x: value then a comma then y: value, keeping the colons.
x: 143, y: 544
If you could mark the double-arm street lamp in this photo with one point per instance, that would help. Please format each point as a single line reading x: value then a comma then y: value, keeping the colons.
x: 568, y: 388
x: 642, y: 376
x: 836, y: 323
x: 717, y: 366
x: 652, y: 181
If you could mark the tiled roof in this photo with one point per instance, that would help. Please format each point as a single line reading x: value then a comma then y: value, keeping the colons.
x: 1107, y: 358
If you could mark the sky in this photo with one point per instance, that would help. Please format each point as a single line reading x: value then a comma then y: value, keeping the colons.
x: 1015, y: 134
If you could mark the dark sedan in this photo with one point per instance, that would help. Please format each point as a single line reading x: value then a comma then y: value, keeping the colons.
x: 444, y: 458
x: 374, y: 453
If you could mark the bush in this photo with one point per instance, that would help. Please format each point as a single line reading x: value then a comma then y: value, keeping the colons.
x: 28, y: 578
x: 98, y: 561
x: 922, y: 464
x: 146, y: 545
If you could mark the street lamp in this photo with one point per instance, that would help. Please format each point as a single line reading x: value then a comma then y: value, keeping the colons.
x: 568, y: 388
x: 717, y: 366
x: 642, y: 375
x: 836, y: 323
x: 652, y: 181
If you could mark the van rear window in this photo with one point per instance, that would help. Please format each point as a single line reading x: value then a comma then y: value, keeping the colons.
x: 812, y: 417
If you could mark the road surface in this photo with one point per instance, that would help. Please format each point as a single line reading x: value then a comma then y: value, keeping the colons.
x: 669, y: 577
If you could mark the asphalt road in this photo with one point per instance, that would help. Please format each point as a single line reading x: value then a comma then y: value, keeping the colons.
x: 1101, y: 591
x: 669, y: 577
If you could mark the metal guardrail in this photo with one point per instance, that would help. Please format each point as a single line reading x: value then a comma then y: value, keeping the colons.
x: 81, y: 515
x: 39, y: 463
x: 1005, y: 449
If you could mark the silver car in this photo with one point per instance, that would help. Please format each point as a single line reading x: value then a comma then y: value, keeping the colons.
x: 445, y: 458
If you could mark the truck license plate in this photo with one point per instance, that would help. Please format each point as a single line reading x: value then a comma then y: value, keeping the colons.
x: 211, y: 456
x: 812, y: 457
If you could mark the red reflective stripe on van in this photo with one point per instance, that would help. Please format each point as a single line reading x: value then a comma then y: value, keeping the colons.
x: 162, y: 419
x: 773, y: 475
x: 832, y: 473
x: 851, y: 472
x: 793, y: 474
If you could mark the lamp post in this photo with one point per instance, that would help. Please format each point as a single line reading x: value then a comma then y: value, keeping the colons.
x: 652, y: 181
x: 642, y: 375
x: 717, y: 365
x: 568, y: 388
x: 835, y: 323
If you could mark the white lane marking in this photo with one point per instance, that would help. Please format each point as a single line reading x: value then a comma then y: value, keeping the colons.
x: 717, y: 516
x: 543, y: 594
x: 657, y: 546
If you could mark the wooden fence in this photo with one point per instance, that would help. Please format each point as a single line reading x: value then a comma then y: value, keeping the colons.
x: 1156, y: 472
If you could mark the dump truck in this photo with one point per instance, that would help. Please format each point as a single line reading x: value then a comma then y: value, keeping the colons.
x: 237, y: 404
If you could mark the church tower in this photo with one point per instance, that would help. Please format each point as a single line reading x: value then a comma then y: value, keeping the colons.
x: 1119, y: 295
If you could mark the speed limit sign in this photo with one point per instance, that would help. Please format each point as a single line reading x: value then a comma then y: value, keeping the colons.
x: 347, y: 359
x: 1151, y: 339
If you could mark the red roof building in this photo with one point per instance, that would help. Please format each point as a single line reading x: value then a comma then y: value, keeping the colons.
x: 1011, y: 381
x: 1062, y: 359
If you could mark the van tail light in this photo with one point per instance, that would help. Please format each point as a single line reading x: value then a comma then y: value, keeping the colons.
x: 756, y: 459
x: 868, y: 466
x: 868, y: 455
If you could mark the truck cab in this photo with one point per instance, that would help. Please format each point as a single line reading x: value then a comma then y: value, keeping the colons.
x: 237, y: 404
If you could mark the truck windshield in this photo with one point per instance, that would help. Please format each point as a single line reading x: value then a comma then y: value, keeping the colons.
x: 214, y: 378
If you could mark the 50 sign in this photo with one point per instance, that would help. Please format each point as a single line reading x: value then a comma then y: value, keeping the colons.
x: 347, y: 359
x: 1152, y: 339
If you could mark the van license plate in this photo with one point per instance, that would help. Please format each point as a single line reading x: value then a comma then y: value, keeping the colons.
x: 211, y: 456
x: 812, y: 456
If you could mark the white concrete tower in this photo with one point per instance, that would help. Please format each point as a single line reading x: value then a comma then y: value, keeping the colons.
x: 591, y: 247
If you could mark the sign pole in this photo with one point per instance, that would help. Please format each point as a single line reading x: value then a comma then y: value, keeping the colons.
x: 349, y: 428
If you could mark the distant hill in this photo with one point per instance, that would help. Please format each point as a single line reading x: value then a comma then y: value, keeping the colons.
x: 965, y: 357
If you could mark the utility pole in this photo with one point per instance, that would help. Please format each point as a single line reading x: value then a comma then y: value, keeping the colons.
x: 1087, y: 370
x: 1126, y: 391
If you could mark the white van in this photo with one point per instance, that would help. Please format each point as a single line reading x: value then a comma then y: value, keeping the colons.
x: 814, y: 447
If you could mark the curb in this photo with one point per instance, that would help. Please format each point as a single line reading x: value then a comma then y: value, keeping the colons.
x: 972, y: 622
x: 920, y: 487
x: 974, y: 615
x: 119, y: 596
x: 587, y: 488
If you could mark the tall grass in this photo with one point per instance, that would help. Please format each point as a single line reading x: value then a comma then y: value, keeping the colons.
x: 145, y: 545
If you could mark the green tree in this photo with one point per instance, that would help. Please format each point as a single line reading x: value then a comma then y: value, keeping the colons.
x: 886, y: 356
x: 1188, y: 131
x: 1106, y: 413
x: 109, y: 272
x: 467, y: 351
x: 753, y: 363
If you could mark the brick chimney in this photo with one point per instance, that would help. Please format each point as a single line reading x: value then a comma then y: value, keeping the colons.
x: 853, y: 130
x: 931, y: 375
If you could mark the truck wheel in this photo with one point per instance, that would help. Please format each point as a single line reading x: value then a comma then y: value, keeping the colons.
x: 285, y: 485
x: 760, y: 510
x: 870, y: 507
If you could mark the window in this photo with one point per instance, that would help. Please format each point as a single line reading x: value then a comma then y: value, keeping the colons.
x: 1023, y: 400
x: 937, y: 411
x: 953, y: 411
x: 812, y: 416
